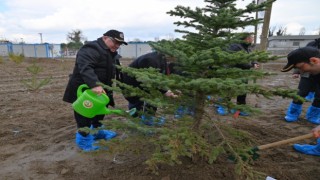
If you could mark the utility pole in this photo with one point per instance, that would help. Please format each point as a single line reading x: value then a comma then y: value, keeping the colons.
x: 22, y: 48
x: 256, y: 27
x: 40, y: 37
x: 265, y: 28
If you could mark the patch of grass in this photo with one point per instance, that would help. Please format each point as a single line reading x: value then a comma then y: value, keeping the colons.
x: 16, y: 58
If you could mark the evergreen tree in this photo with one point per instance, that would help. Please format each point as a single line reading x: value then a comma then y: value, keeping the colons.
x: 207, y: 69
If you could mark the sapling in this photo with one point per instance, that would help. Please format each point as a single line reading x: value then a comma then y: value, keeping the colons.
x: 34, y: 83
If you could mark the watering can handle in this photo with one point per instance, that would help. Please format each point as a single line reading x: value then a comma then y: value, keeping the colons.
x: 80, y: 89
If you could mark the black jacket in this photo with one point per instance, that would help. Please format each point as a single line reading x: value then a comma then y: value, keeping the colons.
x: 94, y: 63
x: 118, y: 73
x: 153, y: 59
x: 315, y: 43
x: 241, y: 47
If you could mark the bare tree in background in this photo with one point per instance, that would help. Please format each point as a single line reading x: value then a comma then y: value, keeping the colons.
x: 302, y: 31
x: 75, y: 36
x: 75, y: 39
x: 272, y: 30
x: 282, y: 31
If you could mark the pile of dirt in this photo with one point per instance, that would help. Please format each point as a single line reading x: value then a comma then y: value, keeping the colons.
x: 37, y: 134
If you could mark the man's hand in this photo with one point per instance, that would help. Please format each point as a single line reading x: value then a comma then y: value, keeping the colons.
x: 256, y: 66
x: 294, y: 76
x: 169, y: 93
x: 316, y: 132
x: 98, y: 90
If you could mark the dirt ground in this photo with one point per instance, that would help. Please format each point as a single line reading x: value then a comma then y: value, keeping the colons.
x: 37, y: 134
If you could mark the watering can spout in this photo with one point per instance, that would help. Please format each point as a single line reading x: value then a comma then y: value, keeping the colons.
x: 118, y: 111
x: 105, y: 111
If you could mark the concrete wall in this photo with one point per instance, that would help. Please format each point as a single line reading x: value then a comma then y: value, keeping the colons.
x: 31, y: 50
x: 134, y: 49
x: 282, y: 45
x: 5, y: 49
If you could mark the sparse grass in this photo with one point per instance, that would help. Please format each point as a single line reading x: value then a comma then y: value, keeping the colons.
x: 16, y: 58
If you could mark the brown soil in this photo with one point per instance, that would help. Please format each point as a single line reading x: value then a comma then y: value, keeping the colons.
x: 37, y: 134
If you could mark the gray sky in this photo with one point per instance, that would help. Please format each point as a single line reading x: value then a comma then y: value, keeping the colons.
x: 140, y: 19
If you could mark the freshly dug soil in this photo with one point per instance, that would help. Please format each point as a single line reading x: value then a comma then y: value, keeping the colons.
x: 37, y: 134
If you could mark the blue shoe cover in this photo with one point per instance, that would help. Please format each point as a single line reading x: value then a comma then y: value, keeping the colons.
x: 232, y: 111
x: 310, y: 96
x: 221, y: 110
x: 315, y: 121
x: 151, y: 120
x: 105, y: 134
x: 308, y: 149
x: 313, y: 115
x: 161, y: 121
x: 190, y: 111
x: 293, y: 112
x: 179, y: 112
x: 243, y: 114
x: 86, y: 143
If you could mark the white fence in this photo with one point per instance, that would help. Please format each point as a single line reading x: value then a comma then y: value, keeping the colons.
x: 31, y: 50
x: 132, y: 50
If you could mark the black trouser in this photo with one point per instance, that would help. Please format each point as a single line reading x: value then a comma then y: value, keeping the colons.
x: 241, y: 99
x: 87, y: 122
x: 141, y: 106
x: 307, y: 85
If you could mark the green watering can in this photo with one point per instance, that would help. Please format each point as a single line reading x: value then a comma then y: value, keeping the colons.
x: 90, y: 104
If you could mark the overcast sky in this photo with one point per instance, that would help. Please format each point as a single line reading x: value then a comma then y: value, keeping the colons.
x: 23, y: 20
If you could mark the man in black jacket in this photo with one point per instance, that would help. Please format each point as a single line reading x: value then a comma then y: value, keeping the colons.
x: 307, y: 59
x: 307, y: 85
x: 155, y: 60
x: 94, y: 64
x: 247, y: 40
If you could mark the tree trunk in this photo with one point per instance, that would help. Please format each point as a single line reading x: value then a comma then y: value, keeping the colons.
x: 199, y: 110
x: 265, y: 28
